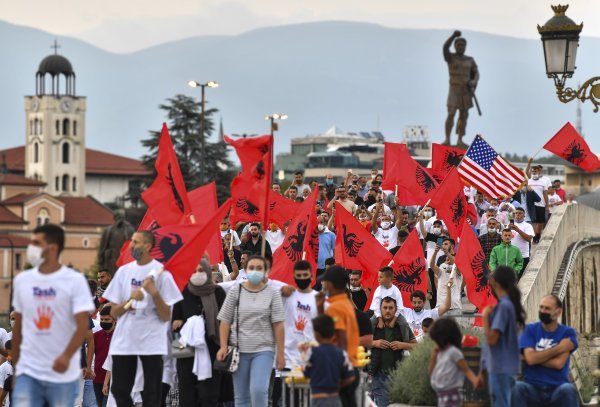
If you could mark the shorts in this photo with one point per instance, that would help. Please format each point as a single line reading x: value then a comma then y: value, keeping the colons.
x: 449, y: 398
x: 540, y: 214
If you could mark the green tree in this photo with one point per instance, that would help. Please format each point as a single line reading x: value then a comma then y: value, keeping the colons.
x: 183, y: 115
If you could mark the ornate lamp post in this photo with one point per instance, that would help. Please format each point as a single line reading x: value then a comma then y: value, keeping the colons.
x: 560, y: 38
x: 202, y: 86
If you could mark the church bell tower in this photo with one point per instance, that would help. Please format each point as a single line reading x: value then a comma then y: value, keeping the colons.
x: 55, y: 129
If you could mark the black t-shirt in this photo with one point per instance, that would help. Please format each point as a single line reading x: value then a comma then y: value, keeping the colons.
x: 359, y: 298
x: 364, y: 323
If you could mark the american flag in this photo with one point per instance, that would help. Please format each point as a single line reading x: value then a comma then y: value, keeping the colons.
x: 486, y: 170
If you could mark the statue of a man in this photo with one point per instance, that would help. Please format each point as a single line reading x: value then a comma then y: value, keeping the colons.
x: 111, y: 242
x: 464, y: 76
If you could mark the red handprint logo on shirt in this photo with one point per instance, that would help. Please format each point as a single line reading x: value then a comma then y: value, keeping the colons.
x: 301, y: 323
x: 45, y: 316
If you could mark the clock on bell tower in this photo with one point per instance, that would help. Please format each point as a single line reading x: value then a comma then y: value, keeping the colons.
x: 55, y: 129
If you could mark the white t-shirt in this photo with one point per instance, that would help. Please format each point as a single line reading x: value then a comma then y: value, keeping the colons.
x: 236, y: 238
x: 430, y: 246
x: 518, y: 241
x: 552, y: 199
x: 275, y: 239
x: 415, y: 319
x: 300, y: 309
x: 539, y: 186
x: 3, y: 338
x: 6, y: 370
x: 443, y: 277
x: 140, y: 331
x: 382, y: 292
x: 47, y: 304
x: 388, y: 238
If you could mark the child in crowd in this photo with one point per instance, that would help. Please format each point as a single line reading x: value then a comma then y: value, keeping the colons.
x: 447, y: 366
x: 328, y: 366
x: 6, y: 375
x: 426, y: 325
x: 386, y: 288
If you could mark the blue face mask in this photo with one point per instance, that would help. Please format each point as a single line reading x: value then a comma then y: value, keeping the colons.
x: 255, y: 277
x: 329, y: 181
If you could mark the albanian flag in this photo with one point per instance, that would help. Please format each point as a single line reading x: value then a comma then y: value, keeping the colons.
x: 204, y: 206
x: 167, y: 196
x: 450, y: 203
x: 415, y: 185
x: 410, y: 267
x: 472, y: 263
x: 251, y: 188
x: 569, y: 145
x: 301, y: 240
x: 357, y: 249
x: 443, y: 159
x: 282, y: 209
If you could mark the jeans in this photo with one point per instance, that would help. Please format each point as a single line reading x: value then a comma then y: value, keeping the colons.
x: 101, y: 399
x: 86, y: 396
x: 501, y: 385
x: 31, y: 392
x: 326, y: 402
x: 379, y: 389
x: 348, y: 393
x: 251, y: 380
x: 528, y: 395
x: 123, y: 378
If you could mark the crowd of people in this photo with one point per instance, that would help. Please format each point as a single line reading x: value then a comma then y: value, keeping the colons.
x: 233, y: 334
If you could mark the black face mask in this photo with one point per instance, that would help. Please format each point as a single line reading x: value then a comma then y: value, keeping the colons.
x: 107, y: 326
x: 302, y: 283
x: 545, y: 318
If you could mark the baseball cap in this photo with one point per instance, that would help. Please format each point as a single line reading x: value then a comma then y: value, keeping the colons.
x: 337, y: 275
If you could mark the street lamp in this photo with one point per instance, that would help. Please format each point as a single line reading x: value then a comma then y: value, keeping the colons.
x: 202, y: 86
x: 273, y: 117
x: 560, y: 39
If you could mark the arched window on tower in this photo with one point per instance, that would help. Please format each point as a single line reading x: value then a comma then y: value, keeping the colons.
x: 74, y: 127
x: 57, y: 127
x: 36, y: 153
x: 65, y: 182
x: 35, y: 125
x: 57, y: 183
x: 74, y: 189
x: 43, y: 217
x: 65, y: 128
x: 65, y: 153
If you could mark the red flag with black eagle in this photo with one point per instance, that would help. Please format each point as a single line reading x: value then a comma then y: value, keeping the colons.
x: 443, y: 159
x: 357, y: 249
x: 204, y: 205
x: 470, y: 260
x: 450, y: 203
x: 301, y: 240
x: 569, y: 145
x: 410, y: 267
x: 251, y: 188
x: 282, y: 209
x: 415, y: 185
x: 167, y: 196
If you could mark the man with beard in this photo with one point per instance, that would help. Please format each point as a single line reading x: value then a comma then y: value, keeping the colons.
x: 415, y: 315
x: 490, y: 239
x: 340, y: 197
x: 104, y: 279
x: 254, y: 244
x: 357, y: 291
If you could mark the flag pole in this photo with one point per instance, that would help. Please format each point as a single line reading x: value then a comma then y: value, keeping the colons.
x: 263, y: 246
x: 539, y: 151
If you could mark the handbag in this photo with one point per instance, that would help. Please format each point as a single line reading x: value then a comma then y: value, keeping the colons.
x: 178, y: 351
x: 232, y: 360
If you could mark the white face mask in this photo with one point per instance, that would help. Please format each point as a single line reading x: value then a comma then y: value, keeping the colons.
x: 385, y: 225
x: 535, y: 176
x: 427, y: 214
x: 437, y: 231
x: 34, y: 255
x: 12, y: 323
x: 321, y: 227
x: 492, y: 230
x: 198, y: 278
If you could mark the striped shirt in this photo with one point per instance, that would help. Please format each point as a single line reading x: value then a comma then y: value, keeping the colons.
x: 257, y: 312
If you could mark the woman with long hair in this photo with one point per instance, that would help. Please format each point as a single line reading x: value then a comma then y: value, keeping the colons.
x: 501, y: 323
x: 252, y: 319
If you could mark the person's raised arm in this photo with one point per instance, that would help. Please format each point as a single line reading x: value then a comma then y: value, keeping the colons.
x: 447, y: 301
x: 235, y: 270
x: 374, y: 227
x: 448, y: 43
x: 432, y: 263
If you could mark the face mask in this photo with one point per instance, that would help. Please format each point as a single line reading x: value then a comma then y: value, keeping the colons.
x: 255, y: 277
x: 355, y: 289
x: 302, y: 283
x: 321, y: 227
x: 492, y: 230
x: 137, y: 253
x: 34, y: 255
x: 329, y: 182
x: 12, y: 323
x: 198, y: 278
x: 535, y: 177
x: 545, y: 318
x: 107, y: 326
x: 437, y: 231
x: 362, y: 218
x: 385, y: 225
x: 427, y: 214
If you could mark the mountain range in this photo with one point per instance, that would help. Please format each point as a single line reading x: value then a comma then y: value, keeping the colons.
x: 357, y: 76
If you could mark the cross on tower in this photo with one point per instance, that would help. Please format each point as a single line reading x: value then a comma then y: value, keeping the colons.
x: 56, y: 47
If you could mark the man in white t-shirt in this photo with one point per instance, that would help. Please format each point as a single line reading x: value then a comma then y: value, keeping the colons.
x: 540, y: 186
x: 225, y: 228
x: 553, y: 200
x: 523, y: 234
x: 386, y: 288
x: 52, y: 303
x: 443, y: 274
x: 415, y: 315
x: 143, y: 322
x: 387, y: 231
x: 274, y: 236
x: 300, y: 309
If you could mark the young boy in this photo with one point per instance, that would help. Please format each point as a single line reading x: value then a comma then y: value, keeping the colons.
x: 6, y: 374
x: 328, y: 366
x: 386, y: 289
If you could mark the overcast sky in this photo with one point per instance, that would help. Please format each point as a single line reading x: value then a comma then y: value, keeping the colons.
x: 128, y: 25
